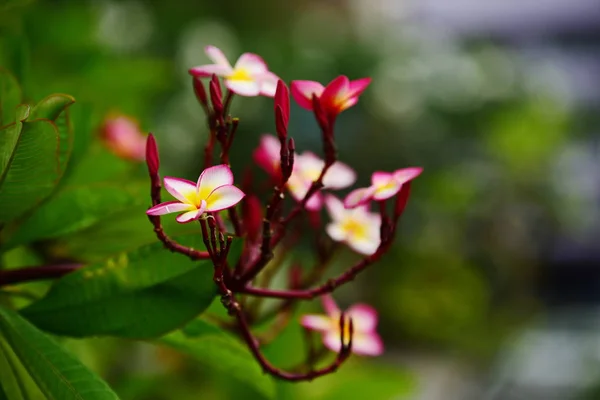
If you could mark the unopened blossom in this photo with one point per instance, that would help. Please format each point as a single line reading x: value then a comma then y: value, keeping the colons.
x: 267, y: 155
x: 365, y: 339
x: 383, y: 186
x: 249, y: 76
x: 123, y: 136
x: 357, y: 227
x: 340, y: 94
x: 214, y: 191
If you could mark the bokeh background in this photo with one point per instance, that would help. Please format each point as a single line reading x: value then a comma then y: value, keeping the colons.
x: 492, y: 290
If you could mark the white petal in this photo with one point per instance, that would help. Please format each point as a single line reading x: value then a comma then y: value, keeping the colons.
x: 169, y: 207
x: 243, y: 87
x: 252, y: 63
x: 182, y: 189
x: 336, y: 232
x: 364, y: 317
x: 212, y: 178
x: 217, y: 56
x: 359, y: 196
x: 316, y: 322
x: 336, y: 208
x: 268, y: 84
x: 366, y: 245
x: 204, y: 71
x: 189, y: 216
x: 331, y: 340
x: 224, y: 197
x: 339, y: 176
x: 368, y: 344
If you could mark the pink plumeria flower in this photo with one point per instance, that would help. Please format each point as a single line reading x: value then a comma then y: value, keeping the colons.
x: 267, y: 155
x: 307, y: 168
x: 340, y: 94
x: 123, y: 136
x: 365, y: 339
x: 214, y: 191
x: 383, y: 186
x: 357, y: 227
x: 249, y: 77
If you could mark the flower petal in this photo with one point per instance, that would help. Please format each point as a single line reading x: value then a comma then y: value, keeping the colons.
x: 335, y: 93
x: 387, y: 191
x: 335, y: 231
x: 367, y: 344
x: 336, y: 208
x: 191, y: 215
x: 407, y: 174
x: 366, y: 244
x: 169, y: 207
x: 315, y: 203
x: 216, y: 55
x: 203, y: 71
x: 359, y: 197
x: 212, y: 178
x: 243, y: 87
x: 224, y: 197
x: 252, y: 63
x: 330, y: 307
x: 268, y: 84
x: 316, y: 322
x: 182, y: 189
x: 339, y: 176
x: 331, y: 340
x: 381, y: 178
x: 364, y: 317
x: 302, y: 92
x: 267, y: 154
x: 358, y: 86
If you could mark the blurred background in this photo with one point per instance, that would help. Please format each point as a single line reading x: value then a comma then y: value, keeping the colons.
x: 493, y: 289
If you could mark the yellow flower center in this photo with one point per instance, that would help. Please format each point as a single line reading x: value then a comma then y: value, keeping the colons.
x: 240, y: 74
x: 354, y: 228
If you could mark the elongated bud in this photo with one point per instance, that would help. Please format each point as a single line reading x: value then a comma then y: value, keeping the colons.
x: 200, y: 91
x: 280, y: 123
x: 216, y: 96
x: 152, y: 159
x: 402, y: 200
x: 282, y: 109
x: 320, y: 114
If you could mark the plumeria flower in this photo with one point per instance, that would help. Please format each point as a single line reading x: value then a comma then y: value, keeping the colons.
x: 383, y: 186
x: 214, y: 191
x: 365, y: 339
x: 340, y: 94
x: 357, y: 227
x: 249, y: 77
x: 122, y: 135
x: 267, y: 155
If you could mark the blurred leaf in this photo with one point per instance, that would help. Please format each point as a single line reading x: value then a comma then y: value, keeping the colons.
x: 15, y: 381
x: 220, y: 350
x: 141, y: 294
x: 58, y: 374
x: 32, y: 171
x: 82, y: 121
x: 10, y: 136
x: 75, y: 208
x: 10, y: 97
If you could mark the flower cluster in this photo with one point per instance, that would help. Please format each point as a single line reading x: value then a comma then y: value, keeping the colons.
x: 270, y: 230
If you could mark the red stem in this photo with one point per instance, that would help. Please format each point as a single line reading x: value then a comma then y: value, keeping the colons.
x: 29, y: 274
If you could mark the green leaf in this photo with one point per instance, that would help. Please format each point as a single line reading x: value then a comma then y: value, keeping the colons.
x: 72, y: 209
x: 32, y: 171
x: 221, y: 351
x: 141, y: 294
x: 10, y: 136
x: 57, y: 373
x: 15, y: 381
x: 10, y: 97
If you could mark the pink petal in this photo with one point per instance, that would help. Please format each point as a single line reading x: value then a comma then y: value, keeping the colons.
x: 339, y: 176
x: 169, y: 207
x: 358, y: 86
x: 364, y: 317
x: 212, y: 178
x: 381, y: 178
x: 267, y: 154
x: 182, y: 189
x: 385, y: 192
x: 347, y: 103
x: 268, y: 84
x: 335, y: 92
x: 407, y: 174
x: 367, y: 344
x: 203, y: 71
x: 336, y: 208
x: 191, y: 215
x: 316, y: 322
x: 330, y: 307
x: 243, y: 87
x: 315, y: 203
x: 216, y: 55
x: 224, y: 197
x: 359, y: 197
x: 302, y: 92
x: 252, y: 63
x: 364, y: 245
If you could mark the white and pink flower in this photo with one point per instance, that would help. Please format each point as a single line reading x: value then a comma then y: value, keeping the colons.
x: 357, y: 227
x: 214, y: 191
x: 365, y: 339
x: 383, y: 186
x: 340, y: 94
x: 123, y: 136
x: 250, y: 75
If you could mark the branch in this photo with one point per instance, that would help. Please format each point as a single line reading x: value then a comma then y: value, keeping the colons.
x: 29, y: 274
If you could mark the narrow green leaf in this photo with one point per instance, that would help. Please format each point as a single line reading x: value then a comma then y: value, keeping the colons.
x: 32, y: 171
x: 74, y: 208
x: 221, y: 351
x: 141, y: 294
x: 10, y: 97
x: 59, y: 375
x: 14, y: 378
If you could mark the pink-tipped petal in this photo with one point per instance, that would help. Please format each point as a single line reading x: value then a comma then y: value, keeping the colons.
x: 252, y: 63
x: 169, y: 207
x: 364, y: 317
x: 268, y: 84
x: 216, y: 55
x: 302, y: 92
x: 358, y: 86
x: 385, y: 192
x: 330, y: 306
x: 212, y: 178
x: 366, y: 245
x: 407, y: 174
x: 345, y: 104
x: 243, y: 87
x: 339, y: 176
x: 224, y: 197
x: 182, y: 189
x: 381, y: 178
x: 204, y: 71
x: 267, y: 154
x: 367, y: 344
x: 316, y: 322
x: 190, y: 215
x: 359, y: 197
x: 336, y: 91
x: 336, y: 208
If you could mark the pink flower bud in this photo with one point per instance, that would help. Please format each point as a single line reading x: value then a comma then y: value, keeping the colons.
x: 200, y: 91
x: 152, y: 159
x: 122, y: 135
x: 216, y: 96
